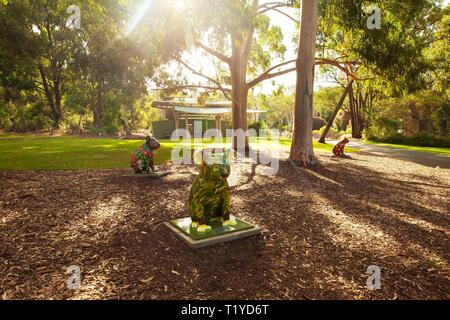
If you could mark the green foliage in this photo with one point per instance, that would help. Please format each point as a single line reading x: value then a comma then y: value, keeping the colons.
x: 94, y: 72
x: 423, y: 111
x: 395, y: 51
x: 383, y: 128
x: 342, y: 121
x: 280, y: 111
x: 326, y: 99
x: 258, y: 125
x: 422, y: 139
x: 318, y: 123
x: 333, y: 133
x: 28, y: 117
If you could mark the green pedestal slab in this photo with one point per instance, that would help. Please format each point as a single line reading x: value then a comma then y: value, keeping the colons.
x: 182, y: 228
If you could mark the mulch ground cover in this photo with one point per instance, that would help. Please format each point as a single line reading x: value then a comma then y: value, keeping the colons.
x: 321, y: 229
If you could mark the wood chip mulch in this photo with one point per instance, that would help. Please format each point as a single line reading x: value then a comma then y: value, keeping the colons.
x: 321, y: 229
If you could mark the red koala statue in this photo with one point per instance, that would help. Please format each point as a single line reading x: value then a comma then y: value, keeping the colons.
x: 338, y: 149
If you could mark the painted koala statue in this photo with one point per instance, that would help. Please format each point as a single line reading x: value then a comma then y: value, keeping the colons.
x: 209, y: 197
x: 142, y: 159
x: 338, y: 149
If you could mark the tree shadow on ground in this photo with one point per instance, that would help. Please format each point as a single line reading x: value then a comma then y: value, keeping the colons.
x: 321, y: 228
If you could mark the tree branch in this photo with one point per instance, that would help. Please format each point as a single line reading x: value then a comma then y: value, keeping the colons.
x: 267, y: 74
x: 224, y: 91
x: 287, y: 15
x: 322, y: 61
x: 271, y: 6
x: 213, y: 52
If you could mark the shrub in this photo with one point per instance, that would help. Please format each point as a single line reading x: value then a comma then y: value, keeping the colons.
x: 112, y: 129
x: 333, y: 133
x: 382, y: 128
x: 95, y: 130
x: 318, y: 123
x: 29, y: 118
x: 422, y: 139
x: 258, y: 125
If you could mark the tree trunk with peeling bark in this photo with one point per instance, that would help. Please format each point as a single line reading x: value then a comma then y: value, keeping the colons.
x: 238, y: 66
x: 302, y: 143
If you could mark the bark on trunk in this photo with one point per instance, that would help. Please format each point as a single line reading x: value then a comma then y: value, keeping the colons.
x: 335, y: 112
x: 54, y: 104
x: 79, y: 124
x: 240, y: 89
x: 98, y: 107
x: 126, y: 124
x: 355, y: 116
x: 302, y: 144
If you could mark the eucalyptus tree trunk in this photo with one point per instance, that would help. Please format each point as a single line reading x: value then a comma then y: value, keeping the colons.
x: 50, y: 92
x: 355, y: 115
x: 302, y: 143
x: 239, y: 61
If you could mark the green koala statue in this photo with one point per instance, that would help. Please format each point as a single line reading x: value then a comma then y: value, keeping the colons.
x: 210, y: 193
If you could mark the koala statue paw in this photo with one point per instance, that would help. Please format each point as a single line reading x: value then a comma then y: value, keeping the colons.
x: 203, y: 228
x: 229, y: 223
x: 194, y: 225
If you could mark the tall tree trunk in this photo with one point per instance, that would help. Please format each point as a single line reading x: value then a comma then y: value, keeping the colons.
x: 335, y: 112
x: 58, y: 107
x: 126, y: 124
x: 54, y: 104
x: 302, y: 142
x: 239, y: 61
x: 79, y: 123
x: 355, y: 116
x: 98, y: 106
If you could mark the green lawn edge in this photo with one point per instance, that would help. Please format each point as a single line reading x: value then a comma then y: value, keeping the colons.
x: 68, y: 153
x: 434, y: 150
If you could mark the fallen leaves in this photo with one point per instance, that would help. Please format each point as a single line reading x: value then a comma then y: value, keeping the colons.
x: 317, y: 239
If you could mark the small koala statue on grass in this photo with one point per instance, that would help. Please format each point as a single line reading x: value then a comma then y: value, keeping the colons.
x: 209, y: 197
x: 142, y: 159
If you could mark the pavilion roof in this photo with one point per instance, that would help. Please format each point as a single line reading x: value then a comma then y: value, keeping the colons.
x: 191, y: 106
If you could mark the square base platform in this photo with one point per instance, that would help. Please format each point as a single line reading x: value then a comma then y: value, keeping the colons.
x: 218, y: 234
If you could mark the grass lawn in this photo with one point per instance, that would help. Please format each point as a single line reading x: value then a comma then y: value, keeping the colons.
x: 31, y: 152
x: 441, y: 151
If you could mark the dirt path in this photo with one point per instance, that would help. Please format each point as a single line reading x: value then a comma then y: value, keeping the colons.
x: 321, y: 228
x: 423, y: 158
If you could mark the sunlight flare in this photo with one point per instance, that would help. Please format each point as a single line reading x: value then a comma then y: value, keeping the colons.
x: 137, y: 17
